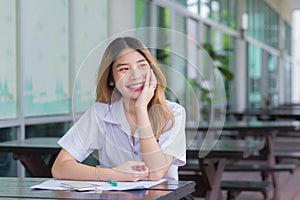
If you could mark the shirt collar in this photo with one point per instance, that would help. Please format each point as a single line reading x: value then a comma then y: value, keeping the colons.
x: 116, y: 115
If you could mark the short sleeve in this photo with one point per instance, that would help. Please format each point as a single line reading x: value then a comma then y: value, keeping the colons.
x: 173, y: 142
x: 83, y: 137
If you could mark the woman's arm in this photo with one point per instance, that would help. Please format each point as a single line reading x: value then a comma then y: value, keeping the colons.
x: 66, y: 167
x: 157, y: 162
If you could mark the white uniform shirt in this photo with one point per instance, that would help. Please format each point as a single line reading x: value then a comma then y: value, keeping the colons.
x: 104, y: 129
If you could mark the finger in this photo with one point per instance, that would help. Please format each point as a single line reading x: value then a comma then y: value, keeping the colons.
x: 139, y: 167
x: 139, y: 176
x: 153, y: 80
x: 147, y: 80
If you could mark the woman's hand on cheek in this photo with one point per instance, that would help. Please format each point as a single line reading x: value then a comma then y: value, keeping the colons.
x: 148, y: 90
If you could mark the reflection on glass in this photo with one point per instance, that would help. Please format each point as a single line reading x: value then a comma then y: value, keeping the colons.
x: 255, y: 96
x: 47, y: 130
x: 288, y: 38
x: 263, y: 24
x: 8, y: 166
x: 45, y: 57
x: 142, y: 14
x: 87, y: 36
x: 273, y: 85
x: 287, y: 82
x: 222, y: 11
x: 223, y: 56
x: 8, y: 64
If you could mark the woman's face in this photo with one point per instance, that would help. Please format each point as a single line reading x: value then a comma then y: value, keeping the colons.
x: 129, y: 73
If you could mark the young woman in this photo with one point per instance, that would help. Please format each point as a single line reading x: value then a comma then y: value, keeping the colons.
x: 137, y: 133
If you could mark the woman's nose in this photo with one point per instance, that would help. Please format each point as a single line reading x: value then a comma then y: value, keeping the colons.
x: 136, y: 73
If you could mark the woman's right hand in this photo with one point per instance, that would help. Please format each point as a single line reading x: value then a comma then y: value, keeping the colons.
x: 131, y: 171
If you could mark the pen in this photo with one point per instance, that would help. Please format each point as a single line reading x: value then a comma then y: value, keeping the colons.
x: 112, y: 183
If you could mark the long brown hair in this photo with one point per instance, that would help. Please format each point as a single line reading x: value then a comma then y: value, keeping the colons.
x: 159, y: 114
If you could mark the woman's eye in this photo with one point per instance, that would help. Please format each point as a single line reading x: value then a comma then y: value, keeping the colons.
x: 124, y: 69
x: 144, y: 65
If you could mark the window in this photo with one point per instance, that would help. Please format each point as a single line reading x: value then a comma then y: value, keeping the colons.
x: 288, y: 38
x: 222, y: 11
x: 263, y: 22
x: 273, y: 83
x: 8, y: 60
x: 45, y: 57
x: 86, y: 37
x: 47, y: 61
x: 255, y: 77
x: 8, y: 166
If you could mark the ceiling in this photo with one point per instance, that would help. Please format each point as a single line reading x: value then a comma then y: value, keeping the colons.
x: 294, y: 4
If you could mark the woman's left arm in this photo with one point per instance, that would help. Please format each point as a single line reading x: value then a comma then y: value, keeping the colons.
x: 158, y: 163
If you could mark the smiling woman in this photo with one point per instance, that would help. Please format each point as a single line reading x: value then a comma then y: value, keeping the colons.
x: 132, y: 74
x: 136, y: 132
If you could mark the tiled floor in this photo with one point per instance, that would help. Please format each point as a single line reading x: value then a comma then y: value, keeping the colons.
x: 289, y: 185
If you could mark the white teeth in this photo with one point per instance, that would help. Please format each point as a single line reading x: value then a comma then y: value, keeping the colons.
x: 136, y: 86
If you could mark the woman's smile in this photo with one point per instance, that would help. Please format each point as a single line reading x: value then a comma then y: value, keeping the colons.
x: 136, y: 87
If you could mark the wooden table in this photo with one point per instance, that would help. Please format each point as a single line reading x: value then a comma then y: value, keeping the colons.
x: 268, y: 114
x: 212, y: 161
x: 265, y: 129
x: 30, y: 152
x: 248, y: 125
x: 16, y: 188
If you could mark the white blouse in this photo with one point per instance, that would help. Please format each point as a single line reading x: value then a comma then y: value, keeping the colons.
x: 104, y: 131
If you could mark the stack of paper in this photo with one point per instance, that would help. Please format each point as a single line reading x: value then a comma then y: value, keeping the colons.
x: 53, y: 184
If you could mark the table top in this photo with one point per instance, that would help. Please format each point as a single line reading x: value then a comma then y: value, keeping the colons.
x: 14, y: 188
x: 236, y: 148
x: 291, y: 113
x: 226, y: 148
x: 247, y: 125
x: 30, y: 145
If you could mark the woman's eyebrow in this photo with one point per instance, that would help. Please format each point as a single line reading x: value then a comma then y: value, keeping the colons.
x: 121, y: 64
x: 142, y: 60
x: 125, y: 64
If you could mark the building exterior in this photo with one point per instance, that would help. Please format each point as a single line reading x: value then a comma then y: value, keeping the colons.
x: 51, y: 49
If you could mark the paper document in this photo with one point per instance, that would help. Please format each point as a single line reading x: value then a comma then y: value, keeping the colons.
x: 81, y: 186
x: 53, y: 184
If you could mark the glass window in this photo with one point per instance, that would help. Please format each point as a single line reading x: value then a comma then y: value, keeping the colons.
x: 288, y: 38
x: 8, y: 58
x: 263, y: 84
x: 163, y: 21
x: 163, y: 44
x: 222, y: 11
x: 176, y: 77
x: 142, y: 20
x: 273, y: 85
x: 142, y: 14
x: 8, y: 166
x: 85, y: 36
x: 193, y: 5
x: 263, y: 22
x: 287, y: 82
x: 255, y: 78
x: 45, y: 57
x: 223, y: 56
x: 47, y: 130
x: 194, y: 70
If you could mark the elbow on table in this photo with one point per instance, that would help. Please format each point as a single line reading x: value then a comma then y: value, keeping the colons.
x: 155, y: 176
x: 55, y: 173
